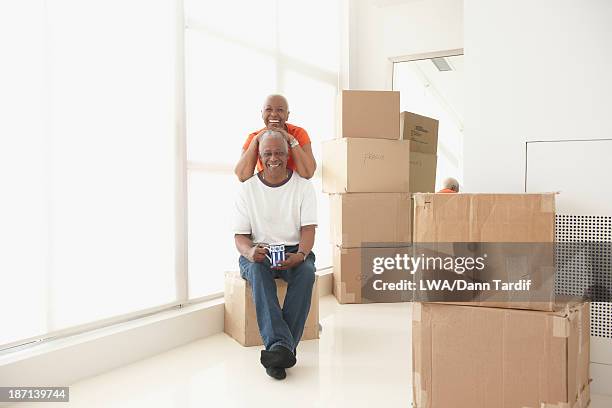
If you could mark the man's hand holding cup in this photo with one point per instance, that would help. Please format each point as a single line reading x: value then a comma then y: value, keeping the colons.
x: 291, y: 260
x: 257, y: 253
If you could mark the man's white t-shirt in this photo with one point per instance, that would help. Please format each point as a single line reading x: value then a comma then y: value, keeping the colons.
x: 274, y: 215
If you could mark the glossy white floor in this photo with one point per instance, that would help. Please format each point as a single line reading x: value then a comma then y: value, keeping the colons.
x: 362, y: 360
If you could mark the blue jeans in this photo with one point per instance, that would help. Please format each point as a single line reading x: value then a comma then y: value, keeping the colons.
x: 278, y: 326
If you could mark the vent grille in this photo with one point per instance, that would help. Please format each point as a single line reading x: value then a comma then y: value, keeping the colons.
x: 584, y: 264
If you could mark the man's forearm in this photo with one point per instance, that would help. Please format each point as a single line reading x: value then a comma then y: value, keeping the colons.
x: 243, y: 244
x: 307, y: 237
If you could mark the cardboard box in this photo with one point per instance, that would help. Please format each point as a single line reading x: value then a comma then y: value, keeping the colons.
x: 240, y: 320
x: 422, y: 172
x: 423, y: 132
x: 369, y: 114
x: 372, y: 219
x: 354, y: 276
x: 484, y: 217
x: 476, y: 357
x: 366, y: 166
x: 513, y: 235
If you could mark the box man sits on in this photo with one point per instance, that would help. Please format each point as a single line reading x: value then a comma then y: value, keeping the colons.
x: 277, y: 206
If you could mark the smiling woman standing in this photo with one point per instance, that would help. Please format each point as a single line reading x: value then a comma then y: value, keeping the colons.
x: 275, y: 112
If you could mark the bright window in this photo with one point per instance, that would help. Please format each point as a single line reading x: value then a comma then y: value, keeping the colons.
x: 238, y: 52
x: 87, y: 162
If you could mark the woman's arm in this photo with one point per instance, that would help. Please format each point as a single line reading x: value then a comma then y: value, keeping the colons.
x: 246, y: 165
x: 304, y: 160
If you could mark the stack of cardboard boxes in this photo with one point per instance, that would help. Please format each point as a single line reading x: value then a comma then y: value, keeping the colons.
x: 370, y: 172
x: 520, y: 352
x: 366, y: 170
x: 507, y: 352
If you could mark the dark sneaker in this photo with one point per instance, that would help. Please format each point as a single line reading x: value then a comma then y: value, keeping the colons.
x: 276, y: 373
x: 277, y: 356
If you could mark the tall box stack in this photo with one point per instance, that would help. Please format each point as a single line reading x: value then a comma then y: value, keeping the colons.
x: 511, y: 354
x: 366, y: 170
x: 422, y: 132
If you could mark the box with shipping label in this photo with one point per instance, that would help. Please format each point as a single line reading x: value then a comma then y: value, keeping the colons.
x: 421, y: 130
x: 370, y: 219
x: 366, y: 166
x: 240, y: 320
x: 369, y: 114
x: 480, y: 357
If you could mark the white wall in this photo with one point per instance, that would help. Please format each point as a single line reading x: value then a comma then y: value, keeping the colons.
x: 367, y: 61
x: 535, y: 70
x: 421, y: 26
x: 382, y: 29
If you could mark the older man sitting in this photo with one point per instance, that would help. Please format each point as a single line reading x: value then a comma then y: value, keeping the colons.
x: 277, y: 206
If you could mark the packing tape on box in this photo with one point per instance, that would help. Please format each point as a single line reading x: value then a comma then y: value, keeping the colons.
x: 579, y: 400
x: 547, y: 205
x: 583, y: 399
x: 471, y: 234
x: 585, y: 331
x: 350, y: 297
x: 416, y: 312
x: 344, y: 245
x: 560, y: 327
x: 420, y: 395
x: 233, y: 276
x: 419, y: 200
x: 580, y: 334
x: 559, y: 405
x: 230, y: 291
x: 423, y: 399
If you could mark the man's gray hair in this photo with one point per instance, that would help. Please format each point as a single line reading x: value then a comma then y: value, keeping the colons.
x: 273, y: 134
x: 452, y: 184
